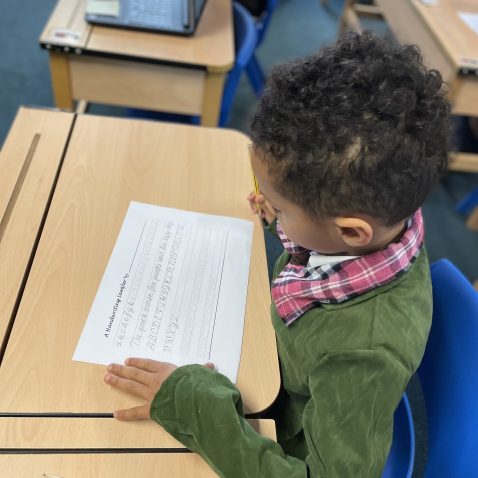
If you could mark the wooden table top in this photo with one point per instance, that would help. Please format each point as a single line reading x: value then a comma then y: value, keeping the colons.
x: 29, y: 161
x: 117, y: 465
x: 435, y: 26
x: 46, y: 433
x: 447, y: 45
x: 452, y: 33
x: 109, y: 162
x: 211, y: 47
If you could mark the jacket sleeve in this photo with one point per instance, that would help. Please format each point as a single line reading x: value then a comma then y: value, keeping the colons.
x: 203, y: 410
x: 348, y: 421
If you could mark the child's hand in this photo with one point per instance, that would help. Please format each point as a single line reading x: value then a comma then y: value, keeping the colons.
x: 140, y: 377
x: 261, y: 207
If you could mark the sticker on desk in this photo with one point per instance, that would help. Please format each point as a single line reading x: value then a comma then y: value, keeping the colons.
x: 174, y: 290
x: 64, y: 36
x: 103, y: 7
x: 469, y: 66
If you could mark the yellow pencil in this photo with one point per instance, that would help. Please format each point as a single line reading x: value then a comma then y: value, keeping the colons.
x: 257, y: 191
x: 256, y: 184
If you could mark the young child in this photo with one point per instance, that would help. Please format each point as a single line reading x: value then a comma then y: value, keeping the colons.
x: 346, y: 145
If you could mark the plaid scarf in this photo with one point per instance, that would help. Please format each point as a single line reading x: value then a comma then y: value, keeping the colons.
x: 299, y: 288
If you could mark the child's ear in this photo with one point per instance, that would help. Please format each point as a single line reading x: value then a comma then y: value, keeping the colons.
x: 353, y: 231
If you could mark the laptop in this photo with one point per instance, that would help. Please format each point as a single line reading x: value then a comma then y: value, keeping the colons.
x: 176, y: 17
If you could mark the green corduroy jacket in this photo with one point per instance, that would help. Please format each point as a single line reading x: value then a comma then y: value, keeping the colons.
x: 344, y: 369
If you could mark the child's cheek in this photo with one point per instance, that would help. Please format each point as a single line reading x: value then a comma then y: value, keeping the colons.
x: 288, y: 231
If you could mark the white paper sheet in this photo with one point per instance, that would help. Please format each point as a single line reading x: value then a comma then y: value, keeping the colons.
x: 471, y: 19
x: 174, y: 290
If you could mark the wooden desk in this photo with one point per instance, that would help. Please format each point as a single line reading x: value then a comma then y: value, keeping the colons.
x: 117, y: 465
x: 445, y: 40
x: 30, y: 161
x: 107, y: 163
x: 60, y: 447
x: 95, y: 434
x: 138, y: 69
x: 66, y: 186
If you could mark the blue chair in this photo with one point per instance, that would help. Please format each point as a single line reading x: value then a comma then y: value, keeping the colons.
x: 254, y: 70
x: 262, y: 23
x: 402, y: 453
x: 466, y: 205
x: 449, y: 378
x: 245, y: 37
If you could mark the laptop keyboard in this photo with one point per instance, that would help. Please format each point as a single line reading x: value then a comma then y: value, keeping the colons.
x: 155, y: 12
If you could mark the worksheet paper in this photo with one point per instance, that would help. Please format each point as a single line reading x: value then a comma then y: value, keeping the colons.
x: 471, y: 19
x: 174, y: 290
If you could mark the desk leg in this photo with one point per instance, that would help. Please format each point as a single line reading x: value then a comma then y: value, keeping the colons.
x: 472, y: 222
x: 61, y: 80
x: 211, y: 99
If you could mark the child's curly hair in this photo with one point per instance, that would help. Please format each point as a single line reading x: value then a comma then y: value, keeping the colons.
x: 361, y: 127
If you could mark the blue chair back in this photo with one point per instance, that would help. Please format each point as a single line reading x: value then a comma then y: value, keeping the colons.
x: 449, y: 376
x: 245, y: 37
x: 402, y: 453
x: 254, y: 69
x: 263, y: 21
x: 449, y: 379
x: 468, y: 203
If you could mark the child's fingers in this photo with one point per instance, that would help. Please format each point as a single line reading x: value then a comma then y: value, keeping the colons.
x: 209, y: 365
x: 260, y: 199
x: 131, y: 373
x: 251, y: 198
x: 129, y: 386
x: 135, y: 413
x: 148, y: 365
x: 255, y: 202
x: 263, y: 209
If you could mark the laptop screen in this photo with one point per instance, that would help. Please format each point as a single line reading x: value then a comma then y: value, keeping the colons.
x: 178, y: 17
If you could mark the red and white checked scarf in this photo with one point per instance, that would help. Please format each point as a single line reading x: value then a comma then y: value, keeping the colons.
x: 298, y: 289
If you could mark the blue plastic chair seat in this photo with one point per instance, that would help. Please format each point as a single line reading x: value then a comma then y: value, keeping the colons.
x: 402, y: 453
x: 449, y: 379
x: 449, y: 376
